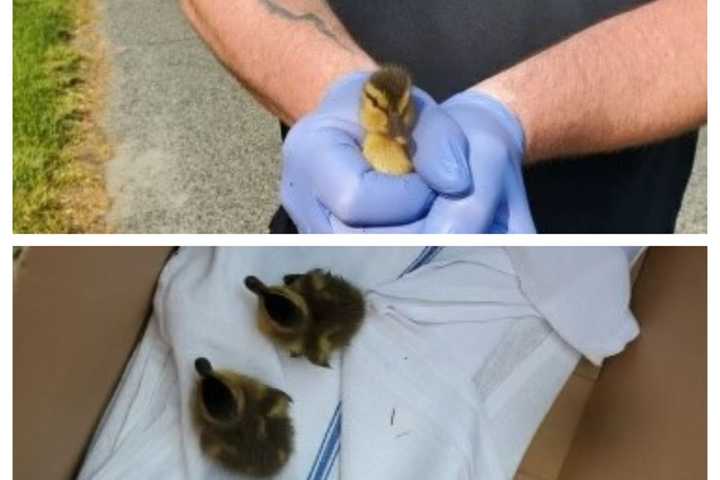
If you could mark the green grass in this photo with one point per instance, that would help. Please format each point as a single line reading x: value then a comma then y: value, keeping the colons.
x: 45, y: 111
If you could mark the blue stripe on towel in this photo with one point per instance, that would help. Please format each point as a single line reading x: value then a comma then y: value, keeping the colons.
x: 334, y: 455
x: 329, y: 435
x: 330, y: 447
x: 427, y: 254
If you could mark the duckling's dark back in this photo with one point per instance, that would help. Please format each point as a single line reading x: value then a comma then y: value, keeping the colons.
x: 260, y: 445
x: 336, y: 306
x: 257, y: 443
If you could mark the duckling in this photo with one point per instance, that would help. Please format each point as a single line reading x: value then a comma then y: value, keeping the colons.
x: 243, y: 424
x: 387, y: 113
x: 311, y: 314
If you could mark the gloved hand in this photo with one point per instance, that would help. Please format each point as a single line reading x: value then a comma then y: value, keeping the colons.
x: 327, y: 185
x: 498, y: 201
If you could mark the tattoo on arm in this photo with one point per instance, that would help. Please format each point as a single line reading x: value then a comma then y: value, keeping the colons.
x: 275, y: 9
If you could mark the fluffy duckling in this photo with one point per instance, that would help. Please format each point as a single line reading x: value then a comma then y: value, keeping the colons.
x: 311, y: 314
x: 387, y: 113
x: 243, y: 424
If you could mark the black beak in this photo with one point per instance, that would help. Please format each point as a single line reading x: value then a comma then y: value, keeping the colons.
x: 255, y: 285
x: 203, y: 366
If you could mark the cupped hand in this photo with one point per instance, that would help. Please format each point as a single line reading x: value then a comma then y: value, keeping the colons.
x: 327, y: 185
x: 497, y: 201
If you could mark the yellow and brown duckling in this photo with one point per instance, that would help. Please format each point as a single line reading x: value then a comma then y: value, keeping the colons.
x: 311, y: 314
x: 243, y: 424
x: 387, y: 113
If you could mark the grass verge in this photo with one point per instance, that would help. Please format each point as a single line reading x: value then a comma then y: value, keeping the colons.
x: 50, y: 120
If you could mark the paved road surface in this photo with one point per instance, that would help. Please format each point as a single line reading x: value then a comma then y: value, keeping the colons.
x: 693, y: 215
x: 193, y: 152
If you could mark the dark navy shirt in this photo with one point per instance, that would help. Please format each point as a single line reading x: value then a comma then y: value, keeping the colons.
x: 451, y: 45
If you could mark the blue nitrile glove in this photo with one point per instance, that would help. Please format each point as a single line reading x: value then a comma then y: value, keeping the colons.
x: 497, y: 202
x: 327, y: 185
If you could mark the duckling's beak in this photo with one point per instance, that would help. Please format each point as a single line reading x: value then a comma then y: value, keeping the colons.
x: 203, y: 367
x: 255, y: 285
x: 397, y: 129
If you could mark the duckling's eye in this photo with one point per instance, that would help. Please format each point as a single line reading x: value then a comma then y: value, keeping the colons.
x: 374, y: 102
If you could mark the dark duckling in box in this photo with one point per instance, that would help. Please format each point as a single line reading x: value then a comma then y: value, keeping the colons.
x: 243, y: 424
x: 311, y: 314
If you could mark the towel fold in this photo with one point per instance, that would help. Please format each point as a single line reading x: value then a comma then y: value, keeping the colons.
x: 584, y: 292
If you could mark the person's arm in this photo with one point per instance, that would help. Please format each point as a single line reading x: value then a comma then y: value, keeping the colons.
x: 633, y: 79
x: 285, y: 52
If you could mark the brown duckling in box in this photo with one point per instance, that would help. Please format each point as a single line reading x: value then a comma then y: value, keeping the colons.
x: 387, y: 113
x: 311, y: 314
x: 243, y: 424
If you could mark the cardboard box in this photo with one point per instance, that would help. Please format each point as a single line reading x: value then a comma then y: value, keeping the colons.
x: 79, y: 312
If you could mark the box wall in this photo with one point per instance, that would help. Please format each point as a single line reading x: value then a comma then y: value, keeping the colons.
x: 647, y: 415
x: 549, y: 448
x: 77, y: 315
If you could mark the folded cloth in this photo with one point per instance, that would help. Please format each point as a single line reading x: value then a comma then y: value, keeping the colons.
x: 486, y: 334
x: 448, y: 379
x: 583, y: 292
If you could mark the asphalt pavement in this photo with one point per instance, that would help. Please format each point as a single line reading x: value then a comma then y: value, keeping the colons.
x: 693, y: 214
x: 192, y: 151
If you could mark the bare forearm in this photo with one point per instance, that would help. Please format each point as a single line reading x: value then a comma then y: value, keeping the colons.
x: 633, y: 79
x: 286, y: 52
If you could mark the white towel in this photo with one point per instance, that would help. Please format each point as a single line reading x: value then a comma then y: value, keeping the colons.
x: 449, y: 378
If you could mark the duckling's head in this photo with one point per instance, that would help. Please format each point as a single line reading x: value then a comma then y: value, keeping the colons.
x: 284, y: 314
x: 221, y: 398
x: 387, y: 106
